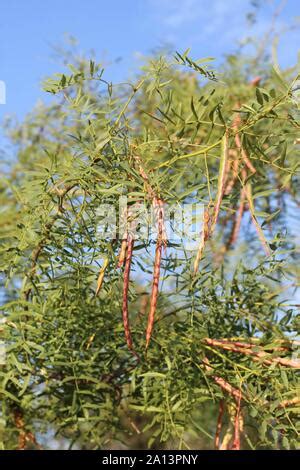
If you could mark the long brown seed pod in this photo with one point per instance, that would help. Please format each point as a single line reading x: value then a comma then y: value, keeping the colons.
x: 125, y: 293
x: 238, y: 143
x: 236, y: 445
x: 236, y: 394
x: 253, y: 352
x: 161, y: 240
x: 235, y: 169
x: 237, y: 221
x: 154, y: 292
x: 219, y: 424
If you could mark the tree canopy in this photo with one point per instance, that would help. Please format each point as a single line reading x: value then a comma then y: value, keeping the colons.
x: 157, y: 342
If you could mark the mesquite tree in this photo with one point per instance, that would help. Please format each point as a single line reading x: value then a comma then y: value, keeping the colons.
x: 111, y: 339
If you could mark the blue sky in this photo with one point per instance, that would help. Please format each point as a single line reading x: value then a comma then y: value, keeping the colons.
x: 119, y: 29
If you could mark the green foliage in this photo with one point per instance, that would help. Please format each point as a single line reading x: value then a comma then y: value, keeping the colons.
x: 68, y: 369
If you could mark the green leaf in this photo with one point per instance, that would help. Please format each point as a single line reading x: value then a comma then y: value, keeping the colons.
x: 193, y: 109
x: 259, y: 96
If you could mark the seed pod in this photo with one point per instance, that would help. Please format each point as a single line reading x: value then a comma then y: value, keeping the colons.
x: 234, y: 165
x: 245, y: 157
x: 101, y: 276
x: 204, y: 237
x: 154, y: 292
x: 125, y: 293
x: 256, y: 81
x: 260, y: 233
x: 221, y: 180
x: 219, y: 424
x: 161, y: 241
x: 236, y: 445
x: 237, y: 222
x: 122, y: 254
x: 238, y: 143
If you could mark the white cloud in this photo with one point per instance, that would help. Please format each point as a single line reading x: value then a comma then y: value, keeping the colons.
x: 212, y: 27
x: 176, y: 13
x: 200, y: 19
x: 180, y: 12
